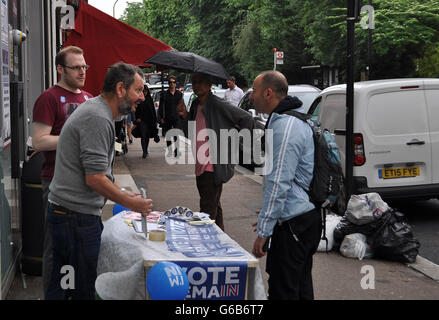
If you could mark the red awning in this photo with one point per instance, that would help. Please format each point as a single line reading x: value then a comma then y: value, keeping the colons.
x: 105, y: 41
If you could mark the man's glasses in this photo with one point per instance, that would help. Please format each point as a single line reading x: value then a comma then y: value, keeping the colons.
x: 171, y: 81
x: 78, y: 68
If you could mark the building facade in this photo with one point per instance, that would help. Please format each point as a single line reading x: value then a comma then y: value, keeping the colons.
x: 32, y: 31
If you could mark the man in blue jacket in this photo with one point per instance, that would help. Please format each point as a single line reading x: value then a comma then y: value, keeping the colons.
x: 287, y: 216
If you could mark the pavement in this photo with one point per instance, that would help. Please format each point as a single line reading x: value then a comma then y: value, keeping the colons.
x: 335, y: 277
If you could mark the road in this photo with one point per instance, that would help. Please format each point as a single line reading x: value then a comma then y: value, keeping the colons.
x: 423, y: 217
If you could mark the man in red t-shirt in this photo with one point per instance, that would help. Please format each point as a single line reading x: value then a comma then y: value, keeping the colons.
x: 51, y: 111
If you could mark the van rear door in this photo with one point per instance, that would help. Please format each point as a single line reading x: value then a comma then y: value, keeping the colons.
x: 432, y: 98
x: 331, y: 111
x: 396, y: 138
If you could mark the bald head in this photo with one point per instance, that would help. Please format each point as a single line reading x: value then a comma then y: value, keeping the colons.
x: 269, y: 88
x: 276, y: 81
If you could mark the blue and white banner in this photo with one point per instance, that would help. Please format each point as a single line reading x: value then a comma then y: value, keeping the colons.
x: 215, y: 280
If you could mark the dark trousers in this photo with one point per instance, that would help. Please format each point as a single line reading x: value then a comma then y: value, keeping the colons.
x: 144, y: 136
x: 289, y: 259
x: 168, y: 125
x: 210, y: 195
x: 47, y: 244
x: 76, y: 241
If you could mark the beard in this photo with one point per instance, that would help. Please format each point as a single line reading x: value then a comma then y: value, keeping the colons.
x: 124, y: 106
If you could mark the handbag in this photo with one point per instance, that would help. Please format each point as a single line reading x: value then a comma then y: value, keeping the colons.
x: 135, y: 132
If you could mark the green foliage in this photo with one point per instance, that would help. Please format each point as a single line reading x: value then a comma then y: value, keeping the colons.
x: 241, y: 34
x: 403, y: 31
x: 428, y: 65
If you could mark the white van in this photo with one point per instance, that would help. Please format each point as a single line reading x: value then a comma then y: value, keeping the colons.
x: 396, y: 135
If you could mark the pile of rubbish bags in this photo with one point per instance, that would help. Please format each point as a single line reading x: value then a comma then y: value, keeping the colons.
x: 370, y: 228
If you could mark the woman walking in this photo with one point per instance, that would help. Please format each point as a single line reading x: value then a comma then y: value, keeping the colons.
x: 146, y: 119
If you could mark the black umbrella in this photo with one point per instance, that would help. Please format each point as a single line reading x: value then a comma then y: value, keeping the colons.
x: 188, y: 62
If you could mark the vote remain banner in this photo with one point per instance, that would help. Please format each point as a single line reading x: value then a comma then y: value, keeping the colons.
x: 215, y: 280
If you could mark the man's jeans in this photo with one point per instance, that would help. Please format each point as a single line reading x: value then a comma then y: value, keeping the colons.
x: 76, y: 241
x: 47, y: 245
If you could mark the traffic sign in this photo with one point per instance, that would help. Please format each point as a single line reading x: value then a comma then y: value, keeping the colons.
x: 279, y: 57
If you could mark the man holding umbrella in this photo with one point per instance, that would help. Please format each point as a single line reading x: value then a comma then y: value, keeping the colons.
x: 207, y: 112
x: 210, y: 112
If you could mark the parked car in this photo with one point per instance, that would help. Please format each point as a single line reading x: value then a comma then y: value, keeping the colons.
x: 187, y: 94
x: 155, y: 93
x: 396, y: 135
x: 188, y: 87
x: 246, y: 157
x: 304, y: 92
x: 190, y: 96
x: 157, y: 87
x: 218, y: 91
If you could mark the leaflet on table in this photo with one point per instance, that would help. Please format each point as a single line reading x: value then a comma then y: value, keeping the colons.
x: 197, y: 241
x: 131, y: 215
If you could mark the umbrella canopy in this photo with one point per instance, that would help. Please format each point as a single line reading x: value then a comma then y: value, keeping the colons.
x: 188, y: 62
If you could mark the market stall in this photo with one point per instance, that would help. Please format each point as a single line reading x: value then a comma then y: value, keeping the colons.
x: 217, y: 266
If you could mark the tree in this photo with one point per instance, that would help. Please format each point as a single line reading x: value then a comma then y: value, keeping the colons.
x: 241, y: 34
x: 269, y: 25
x: 163, y: 20
x: 428, y: 65
x: 202, y: 27
x: 403, y: 31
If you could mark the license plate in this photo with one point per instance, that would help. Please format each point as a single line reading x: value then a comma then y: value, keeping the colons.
x: 393, y: 173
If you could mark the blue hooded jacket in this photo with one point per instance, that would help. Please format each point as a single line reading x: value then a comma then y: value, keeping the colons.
x: 292, y: 156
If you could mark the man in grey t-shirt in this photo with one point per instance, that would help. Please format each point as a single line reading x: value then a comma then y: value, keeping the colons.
x: 83, y: 181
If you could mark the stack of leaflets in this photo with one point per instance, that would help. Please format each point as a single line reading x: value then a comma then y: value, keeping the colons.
x: 197, y: 241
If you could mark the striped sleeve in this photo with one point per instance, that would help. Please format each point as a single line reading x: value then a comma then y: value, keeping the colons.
x: 285, y: 157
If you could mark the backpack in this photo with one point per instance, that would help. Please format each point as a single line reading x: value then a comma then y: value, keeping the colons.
x: 327, y: 183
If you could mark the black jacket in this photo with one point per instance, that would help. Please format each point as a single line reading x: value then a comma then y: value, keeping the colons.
x: 289, y: 103
x: 168, y: 106
x: 146, y: 113
x: 219, y: 115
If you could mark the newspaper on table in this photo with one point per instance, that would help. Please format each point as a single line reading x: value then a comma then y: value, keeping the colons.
x: 197, y: 241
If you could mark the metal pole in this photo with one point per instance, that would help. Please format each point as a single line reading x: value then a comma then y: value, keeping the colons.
x: 114, y: 9
x: 162, y: 94
x: 350, y: 99
x: 369, y: 51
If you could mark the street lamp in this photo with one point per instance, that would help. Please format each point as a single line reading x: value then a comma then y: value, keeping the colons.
x: 369, y: 50
x: 114, y: 6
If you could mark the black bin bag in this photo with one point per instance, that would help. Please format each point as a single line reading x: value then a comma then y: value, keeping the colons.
x: 390, y: 237
x: 395, y: 241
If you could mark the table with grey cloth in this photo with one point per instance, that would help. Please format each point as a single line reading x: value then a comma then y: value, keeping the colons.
x: 125, y: 256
